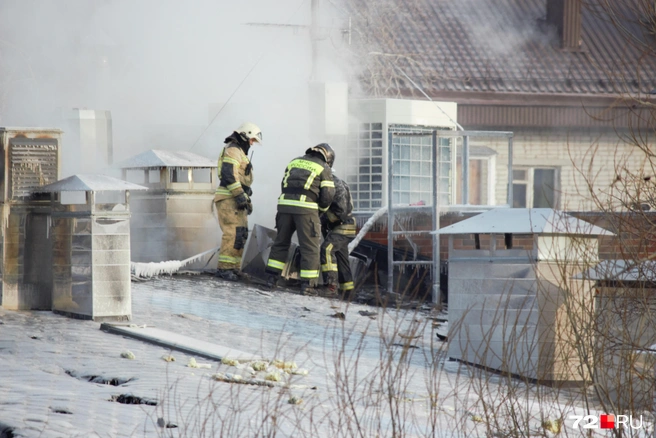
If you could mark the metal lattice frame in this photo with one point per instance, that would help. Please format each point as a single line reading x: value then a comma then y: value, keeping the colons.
x: 435, y: 205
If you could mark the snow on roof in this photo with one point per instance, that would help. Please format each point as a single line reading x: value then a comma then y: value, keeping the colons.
x: 88, y: 182
x: 621, y: 270
x: 32, y: 129
x: 160, y: 158
x: 524, y: 221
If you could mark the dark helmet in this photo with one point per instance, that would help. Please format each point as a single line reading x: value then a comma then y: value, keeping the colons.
x: 326, y: 152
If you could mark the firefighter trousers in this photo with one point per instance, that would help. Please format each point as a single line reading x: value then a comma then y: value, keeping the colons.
x: 234, y: 225
x: 308, y: 229
x: 335, y: 264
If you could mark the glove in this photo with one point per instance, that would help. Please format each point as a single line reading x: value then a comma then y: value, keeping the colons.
x: 247, y: 190
x: 242, y: 201
x: 249, y: 207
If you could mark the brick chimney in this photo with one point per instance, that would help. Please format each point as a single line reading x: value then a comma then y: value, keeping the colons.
x: 565, y: 15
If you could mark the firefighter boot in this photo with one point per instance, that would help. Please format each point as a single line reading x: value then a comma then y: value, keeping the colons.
x: 227, y: 274
x: 329, y: 291
x: 307, y: 289
x: 271, y: 282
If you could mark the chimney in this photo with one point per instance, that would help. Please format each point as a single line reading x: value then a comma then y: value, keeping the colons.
x: 565, y: 15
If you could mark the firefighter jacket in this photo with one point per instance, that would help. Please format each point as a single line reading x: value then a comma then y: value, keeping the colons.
x: 235, y: 169
x: 307, y: 186
x: 338, y: 217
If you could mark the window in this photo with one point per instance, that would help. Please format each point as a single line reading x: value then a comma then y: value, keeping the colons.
x: 482, y: 162
x: 535, y: 187
x: 364, y: 173
x: 69, y: 198
x: 137, y: 176
x: 110, y: 197
x: 153, y: 175
x: 179, y: 175
x: 202, y: 175
x: 413, y: 166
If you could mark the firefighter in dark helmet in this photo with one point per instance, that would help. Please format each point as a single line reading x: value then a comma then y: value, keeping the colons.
x: 232, y: 198
x: 338, y: 228
x: 307, y: 191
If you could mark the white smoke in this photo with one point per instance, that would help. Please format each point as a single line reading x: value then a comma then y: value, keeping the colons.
x: 164, y: 69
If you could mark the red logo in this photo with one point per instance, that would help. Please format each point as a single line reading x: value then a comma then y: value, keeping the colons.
x: 607, y: 421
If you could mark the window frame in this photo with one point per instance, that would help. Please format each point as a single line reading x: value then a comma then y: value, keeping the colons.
x: 529, y: 181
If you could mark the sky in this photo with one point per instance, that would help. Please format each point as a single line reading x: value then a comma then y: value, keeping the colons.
x: 175, y: 76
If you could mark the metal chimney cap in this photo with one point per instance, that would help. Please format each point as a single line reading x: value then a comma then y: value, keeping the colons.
x: 88, y: 182
x: 156, y: 158
x: 524, y: 221
x: 621, y: 270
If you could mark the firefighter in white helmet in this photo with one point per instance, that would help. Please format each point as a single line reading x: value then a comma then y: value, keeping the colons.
x: 233, y: 198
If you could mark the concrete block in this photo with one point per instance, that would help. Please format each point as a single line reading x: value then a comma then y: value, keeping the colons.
x: 111, y: 273
x: 118, y: 290
x: 109, y: 308
x: 111, y: 242
x: 116, y: 257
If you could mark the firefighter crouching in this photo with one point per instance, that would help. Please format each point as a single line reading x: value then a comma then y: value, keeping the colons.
x: 307, y: 191
x: 339, y: 229
x: 232, y: 198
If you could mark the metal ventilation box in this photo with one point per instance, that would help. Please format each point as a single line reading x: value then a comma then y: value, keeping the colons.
x: 515, y: 304
x: 29, y: 158
x: 91, y: 240
x: 173, y: 219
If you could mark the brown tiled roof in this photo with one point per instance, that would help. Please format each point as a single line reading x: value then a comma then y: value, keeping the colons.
x: 505, y: 46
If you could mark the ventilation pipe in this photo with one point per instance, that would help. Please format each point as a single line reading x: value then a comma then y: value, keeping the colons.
x: 565, y: 15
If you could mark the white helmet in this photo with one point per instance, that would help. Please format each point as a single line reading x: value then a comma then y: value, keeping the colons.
x: 250, y: 130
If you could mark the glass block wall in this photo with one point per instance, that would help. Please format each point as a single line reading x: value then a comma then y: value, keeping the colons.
x: 365, y: 166
x: 411, y: 182
x: 412, y: 163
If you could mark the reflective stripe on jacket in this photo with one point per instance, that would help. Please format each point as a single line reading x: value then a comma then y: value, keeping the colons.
x: 307, y: 186
x: 233, y: 180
